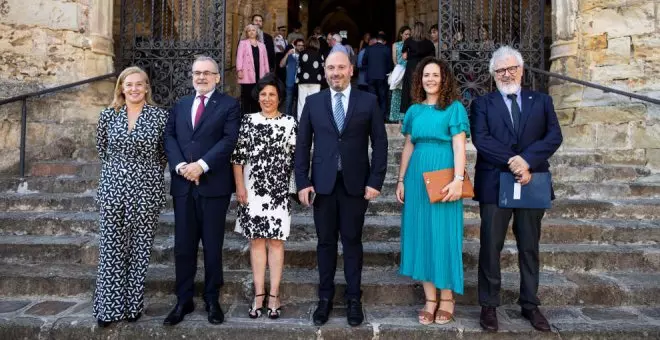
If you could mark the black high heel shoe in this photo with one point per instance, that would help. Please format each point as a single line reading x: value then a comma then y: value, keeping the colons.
x: 136, y: 318
x: 103, y: 324
x: 274, y: 313
x: 255, y: 312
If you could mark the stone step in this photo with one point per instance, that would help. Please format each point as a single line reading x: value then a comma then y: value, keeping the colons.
x: 376, y: 228
x: 70, y: 318
x: 564, y: 189
x: 384, y: 205
x: 302, y: 254
x: 379, y: 286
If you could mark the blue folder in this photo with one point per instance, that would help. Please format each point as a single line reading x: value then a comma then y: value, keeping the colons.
x: 534, y: 195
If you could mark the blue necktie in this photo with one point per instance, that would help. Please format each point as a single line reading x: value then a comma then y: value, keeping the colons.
x: 515, y: 111
x: 339, y: 119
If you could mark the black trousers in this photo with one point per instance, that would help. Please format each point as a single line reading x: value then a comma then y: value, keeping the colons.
x: 248, y: 103
x: 197, y: 217
x: 379, y: 87
x: 527, y: 230
x: 339, y: 214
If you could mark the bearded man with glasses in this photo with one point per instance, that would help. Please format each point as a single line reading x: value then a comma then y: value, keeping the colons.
x: 200, y: 137
x: 515, y: 132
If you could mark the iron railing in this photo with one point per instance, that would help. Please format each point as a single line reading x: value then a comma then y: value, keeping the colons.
x: 605, y: 89
x: 23, y: 99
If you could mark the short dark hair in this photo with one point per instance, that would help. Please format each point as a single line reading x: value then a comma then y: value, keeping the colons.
x: 256, y: 15
x: 381, y: 36
x: 272, y: 80
x: 280, y: 27
x: 296, y: 25
x: 433, y: 27
x: 295, y: 42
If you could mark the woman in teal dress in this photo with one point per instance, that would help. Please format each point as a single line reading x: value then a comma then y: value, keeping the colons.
x: 436, y: 128
x: 397, y: 57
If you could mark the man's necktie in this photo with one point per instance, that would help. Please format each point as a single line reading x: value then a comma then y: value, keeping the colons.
x: 340, y: 116
x: 200, y: 110
x: 515, y: 111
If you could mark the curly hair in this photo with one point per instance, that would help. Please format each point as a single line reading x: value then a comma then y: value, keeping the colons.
x: 448, y: 85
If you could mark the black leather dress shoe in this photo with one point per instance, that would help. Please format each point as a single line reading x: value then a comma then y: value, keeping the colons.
x: 216, y: 316
x: 136, y: 318
x: 322, y: 312
x: 103, y: 324
x: 354, y: 313
x: 537, y: 319
x: 177, y: 314
x: 488, y: 319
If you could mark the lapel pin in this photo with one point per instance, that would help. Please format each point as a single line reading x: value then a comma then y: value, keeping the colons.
x: 530, y: 97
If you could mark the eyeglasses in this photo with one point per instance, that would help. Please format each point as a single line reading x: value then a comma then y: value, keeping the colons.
x: 205, y: 73
x: 511, y: 69
x: 300, y: 45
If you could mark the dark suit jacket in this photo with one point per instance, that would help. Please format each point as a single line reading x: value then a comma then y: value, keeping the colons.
x: 364, y: 121
x: 270, y: 50
x: 378, y: 61
x: 212, y: 140
x: 493, y: 136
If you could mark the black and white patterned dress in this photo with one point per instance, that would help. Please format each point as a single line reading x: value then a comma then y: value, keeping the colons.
x: 265, y: 148
x: 130, y: 196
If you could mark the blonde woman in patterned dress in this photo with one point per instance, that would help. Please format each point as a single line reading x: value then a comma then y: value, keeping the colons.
x: 263, y: 164
x: 129, y: 139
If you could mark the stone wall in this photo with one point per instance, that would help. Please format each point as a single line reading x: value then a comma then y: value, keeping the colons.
x: 45, y: 43
x: 614, y: 43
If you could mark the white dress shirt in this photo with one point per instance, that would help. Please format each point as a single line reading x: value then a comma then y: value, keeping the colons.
x: 344, y: 99
x: 193, y: 113
x: 508, y: 101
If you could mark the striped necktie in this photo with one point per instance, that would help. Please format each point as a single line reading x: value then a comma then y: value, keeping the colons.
x: 340, y: 116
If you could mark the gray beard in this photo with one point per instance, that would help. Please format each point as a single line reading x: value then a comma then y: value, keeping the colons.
x: 508, y: 89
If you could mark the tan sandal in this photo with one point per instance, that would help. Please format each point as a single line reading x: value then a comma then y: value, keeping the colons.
x: 448, y: 317
x: 426, y: 318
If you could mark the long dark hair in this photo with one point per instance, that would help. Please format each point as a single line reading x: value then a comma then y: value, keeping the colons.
x: 401, y: 30
x: 448, y: 85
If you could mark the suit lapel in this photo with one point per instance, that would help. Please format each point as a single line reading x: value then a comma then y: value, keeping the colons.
x: 351, y: 108
x: 501, y: 108
x: 329, y: 102
x: 527, y: 102
x: 188, y: 114
x: 210, y: 106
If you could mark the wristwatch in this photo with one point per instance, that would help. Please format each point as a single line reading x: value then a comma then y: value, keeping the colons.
x: 459, y: 177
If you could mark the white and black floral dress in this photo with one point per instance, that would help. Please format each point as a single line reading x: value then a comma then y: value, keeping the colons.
x: 265, y: 148
x: 130, y: 196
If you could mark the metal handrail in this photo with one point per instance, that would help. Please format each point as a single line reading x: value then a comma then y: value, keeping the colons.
x: 605, y: 89
x: 24, y: 97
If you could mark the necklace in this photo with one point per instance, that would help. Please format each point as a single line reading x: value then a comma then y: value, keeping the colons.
x: 277, y: 114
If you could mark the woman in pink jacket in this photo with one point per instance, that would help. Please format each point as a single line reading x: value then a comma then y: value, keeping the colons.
x: 252, y: 65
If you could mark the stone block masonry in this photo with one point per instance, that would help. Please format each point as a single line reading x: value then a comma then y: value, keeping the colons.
x: 616, y: 44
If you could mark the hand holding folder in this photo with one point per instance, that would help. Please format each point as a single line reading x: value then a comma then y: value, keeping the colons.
x: 534, y: 195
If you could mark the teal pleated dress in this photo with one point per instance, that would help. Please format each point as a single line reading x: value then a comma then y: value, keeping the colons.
x: 432, y: 234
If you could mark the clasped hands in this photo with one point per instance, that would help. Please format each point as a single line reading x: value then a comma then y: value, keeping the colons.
x: 191, y: 172
x: 520, y: 169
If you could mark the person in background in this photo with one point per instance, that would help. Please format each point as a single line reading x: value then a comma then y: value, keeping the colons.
x: 397, y: 57
x: 366, y: 38
x: 251, y: 65
x: 435, y: 38
x: 414, y: 49
x: 514, y: 131
x: 266, y: 39
x: 280, y: 49
x: 130, y: 195
x: 362, y: 83
x: 296, y: 34
x: 378, y: 61
x: 290, y: 62
x: 263, y: 167
x: 436, y: 128
x: 310, y: 73
x: 336, y: 45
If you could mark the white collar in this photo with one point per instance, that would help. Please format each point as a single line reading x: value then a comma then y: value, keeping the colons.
x: 346, y: 92
x: 207, y: 96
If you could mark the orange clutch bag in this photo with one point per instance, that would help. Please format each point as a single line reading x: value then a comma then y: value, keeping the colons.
x: 436, y: 180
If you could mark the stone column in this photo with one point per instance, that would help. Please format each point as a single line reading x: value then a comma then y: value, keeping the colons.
x: 98, y: 60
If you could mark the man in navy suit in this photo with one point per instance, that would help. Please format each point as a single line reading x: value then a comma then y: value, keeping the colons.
x: 378, y: 62
x: 199, y: 139
x: 513, y: 131
x: 340, y: 121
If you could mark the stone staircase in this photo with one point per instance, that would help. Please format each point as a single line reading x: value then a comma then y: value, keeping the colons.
x: 600, y: 258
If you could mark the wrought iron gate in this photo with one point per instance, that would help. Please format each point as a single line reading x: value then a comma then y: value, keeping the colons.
x: 164, y: 36
x: 470, y: 30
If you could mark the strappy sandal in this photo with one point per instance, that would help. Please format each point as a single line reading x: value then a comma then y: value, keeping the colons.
x: 274, y: 313
x: 254, y: 311
x: 448, y: 317
x: 425, y: 317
